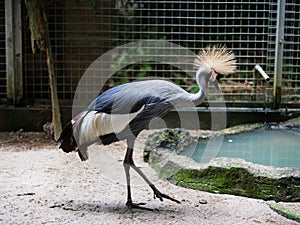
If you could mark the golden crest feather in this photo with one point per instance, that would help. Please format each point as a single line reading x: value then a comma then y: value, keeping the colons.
x: 216, y: 58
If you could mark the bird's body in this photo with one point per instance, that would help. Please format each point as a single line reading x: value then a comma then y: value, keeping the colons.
x: 120, y: 106
x: 123, y: 111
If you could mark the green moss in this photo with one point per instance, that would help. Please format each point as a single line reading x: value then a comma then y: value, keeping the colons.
x: 285, y: 212
x: 238, y: 181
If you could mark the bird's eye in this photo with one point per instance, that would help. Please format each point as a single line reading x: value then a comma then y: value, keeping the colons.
x: 219, y: 76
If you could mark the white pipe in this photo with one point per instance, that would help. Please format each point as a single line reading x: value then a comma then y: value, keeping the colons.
x: 262, y: 72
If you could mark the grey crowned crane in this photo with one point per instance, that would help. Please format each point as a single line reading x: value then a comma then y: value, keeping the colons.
x: 123, y: 111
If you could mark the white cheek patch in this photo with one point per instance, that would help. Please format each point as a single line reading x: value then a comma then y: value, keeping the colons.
x: 213, y: 77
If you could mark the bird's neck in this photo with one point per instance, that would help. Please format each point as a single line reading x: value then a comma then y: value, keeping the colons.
x: 197, y: 98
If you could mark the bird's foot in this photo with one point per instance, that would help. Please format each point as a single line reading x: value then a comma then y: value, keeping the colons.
x: 132, y: 205
x: 161, y: 196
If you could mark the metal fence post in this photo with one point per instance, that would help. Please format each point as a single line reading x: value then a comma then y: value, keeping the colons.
x: 279, y: 54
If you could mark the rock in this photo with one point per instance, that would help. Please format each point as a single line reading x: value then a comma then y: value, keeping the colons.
x: 49, y: 129
x: 202, y: 201
x: 177, y: 140
x: 173, y: 140
x: 229, y: 176
x: 220, y: 175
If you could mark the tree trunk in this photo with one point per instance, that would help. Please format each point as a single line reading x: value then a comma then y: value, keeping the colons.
x: 40, y: 39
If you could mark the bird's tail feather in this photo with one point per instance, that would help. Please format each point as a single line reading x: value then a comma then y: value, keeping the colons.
x: 68, y: 137
x: 67, y: 140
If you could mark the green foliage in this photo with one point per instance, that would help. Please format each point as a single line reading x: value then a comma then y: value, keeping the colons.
x: 126, y: 71
x: 95, y: 3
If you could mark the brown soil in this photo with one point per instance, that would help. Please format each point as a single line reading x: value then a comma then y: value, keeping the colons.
x: 25, y: 140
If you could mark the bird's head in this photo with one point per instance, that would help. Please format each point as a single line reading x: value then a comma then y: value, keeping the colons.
x: 212, y: 63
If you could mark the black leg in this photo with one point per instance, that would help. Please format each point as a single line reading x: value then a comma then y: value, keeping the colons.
x: 127, y: 168
x: 128, y: 162
x: 157, y: 193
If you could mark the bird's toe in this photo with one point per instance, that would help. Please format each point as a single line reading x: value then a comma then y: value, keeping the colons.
x: 161, y: 196
x: 140, y: 205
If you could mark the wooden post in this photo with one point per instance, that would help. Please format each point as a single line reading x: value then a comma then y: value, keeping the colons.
x: 279, y: 54
x: 40, y: 39
x: 13, y: 34
x: 18, y: 51
x: 10, y: 51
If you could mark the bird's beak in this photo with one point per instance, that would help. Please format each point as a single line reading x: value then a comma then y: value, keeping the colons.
x: 214, y: 81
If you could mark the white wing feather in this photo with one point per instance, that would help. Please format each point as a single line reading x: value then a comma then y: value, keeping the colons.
x: 97, y: 124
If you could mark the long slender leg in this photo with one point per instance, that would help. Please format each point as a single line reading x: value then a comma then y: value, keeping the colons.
x: 128, y: 162
x: 157, y: 193
x: 127, y: 168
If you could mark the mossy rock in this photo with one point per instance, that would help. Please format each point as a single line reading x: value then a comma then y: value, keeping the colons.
x: 229, y: 176
x: 239, y: 181
x: 173, y: 140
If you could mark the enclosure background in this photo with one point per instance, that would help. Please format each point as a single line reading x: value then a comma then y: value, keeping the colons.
x: 80, y: 33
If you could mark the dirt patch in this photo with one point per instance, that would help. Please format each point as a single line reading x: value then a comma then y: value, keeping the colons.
x: 43, y: 185
x: 25, y: 140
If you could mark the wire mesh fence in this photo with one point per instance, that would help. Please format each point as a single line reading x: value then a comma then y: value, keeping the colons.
x: 2, y: 52
x: 291, y: 56
x: 80, y: 33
